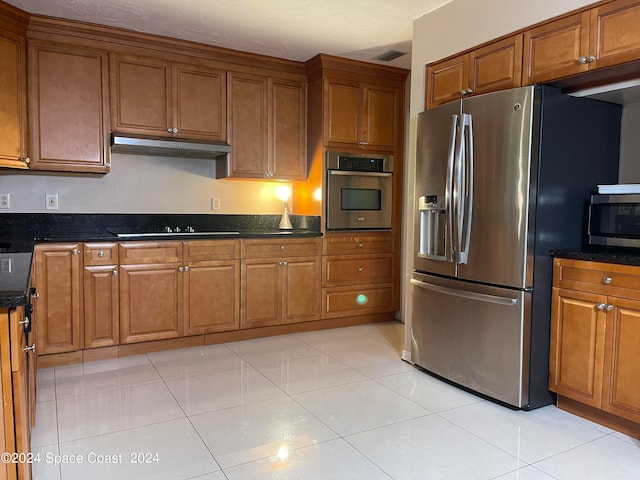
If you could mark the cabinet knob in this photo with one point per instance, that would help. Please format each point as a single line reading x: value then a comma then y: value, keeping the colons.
x: 283, y: 264
x: 31, y: 348
x: 181, y: 269
x: 581, y: 60
x: 186, y: 268
x: 591, y: 59
x: 27, y: 160
x: 361, y: 245
x: 608, y: 307
x: 35, y: 294
x: 363, y: 143
x: 607, y: 280
x: 25, y: 322
x: 360, y: 269
x: 75, y: 251
x: 115, y: 272
x: 172, y: 130
x: 600, y: 306
x: 101, y: 254
x: 282, y: 247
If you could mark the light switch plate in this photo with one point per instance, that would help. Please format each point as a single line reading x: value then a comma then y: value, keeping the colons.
x: 5, y: 264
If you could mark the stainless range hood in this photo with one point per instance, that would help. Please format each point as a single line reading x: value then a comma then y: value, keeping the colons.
x: 166, y: 147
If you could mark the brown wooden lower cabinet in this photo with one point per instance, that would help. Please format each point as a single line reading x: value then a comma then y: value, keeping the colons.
x: 58, y: 278
x: 280, y: 281
x: 211, y: 296
x: 280, y: 290
x: 150, y: 302
x: 18, y: 391
x: 595, y: 338
x: 101, y: 306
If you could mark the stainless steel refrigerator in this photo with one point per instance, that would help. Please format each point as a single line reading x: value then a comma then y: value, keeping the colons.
x: 501, y: 179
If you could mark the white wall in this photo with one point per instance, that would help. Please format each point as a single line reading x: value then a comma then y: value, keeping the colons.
x: 140, y: 184
x: 452, y: 28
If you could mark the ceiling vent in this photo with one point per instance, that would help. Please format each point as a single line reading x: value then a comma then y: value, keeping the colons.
x: 389, y: 55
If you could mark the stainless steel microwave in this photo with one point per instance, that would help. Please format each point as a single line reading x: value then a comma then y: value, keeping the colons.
x: 614, y: 220
x: 359, y: 191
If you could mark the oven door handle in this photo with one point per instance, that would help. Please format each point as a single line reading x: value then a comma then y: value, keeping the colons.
x: 360, y: 174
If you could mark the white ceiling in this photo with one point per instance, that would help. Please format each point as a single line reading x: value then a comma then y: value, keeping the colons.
x: 292, y: 29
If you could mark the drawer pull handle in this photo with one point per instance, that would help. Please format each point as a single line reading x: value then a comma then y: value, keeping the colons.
x: 360, y: 269
x: 101, y: 254
x: 601, y: 306
x: 360, y: 245
x: 607, y: 280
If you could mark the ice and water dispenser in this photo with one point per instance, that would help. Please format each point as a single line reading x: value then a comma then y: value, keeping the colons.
x: 433, y: 227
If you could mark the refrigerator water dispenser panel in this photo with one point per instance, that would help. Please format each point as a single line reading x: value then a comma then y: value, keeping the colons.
x: 432, y: 227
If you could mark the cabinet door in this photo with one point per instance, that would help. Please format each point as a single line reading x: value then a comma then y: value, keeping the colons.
x: 150, y: 302
x: 260, y: 293
x: 21, y: 390
x: 13, y: 101
x: 379, y: 118
x: 140, y: 95
x: 341, y: 107
x: 621, y: 393
x: 212, y: 297
x: 248, y: 125
x: 199, y: 102
x: 445, y: 81
x: 614, y: 33
x: 58, y: 276
x: 553, y: 50
x: 288, y: 137
x: 577, y: 345
x: 497, y: 66
x: 101, y: 306
x: 68, y: 108
x: 301, y: 290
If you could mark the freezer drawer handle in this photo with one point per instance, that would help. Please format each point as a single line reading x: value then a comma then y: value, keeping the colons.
x: 483, y: 297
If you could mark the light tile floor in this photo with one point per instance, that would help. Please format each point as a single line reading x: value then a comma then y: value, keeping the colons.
x: 332, y: 404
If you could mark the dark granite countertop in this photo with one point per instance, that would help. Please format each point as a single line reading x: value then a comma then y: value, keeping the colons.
x: 623, y: 256
x: 14, y: 278
x: 20, y: 232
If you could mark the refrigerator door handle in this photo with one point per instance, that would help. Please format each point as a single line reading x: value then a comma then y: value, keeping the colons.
x: 483, y: 297
x: 459, y: 187
x: 466, y: 210
x: 448, y: 189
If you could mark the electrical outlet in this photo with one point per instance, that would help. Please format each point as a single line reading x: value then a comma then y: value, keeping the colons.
x: 51, y: 201
x: 5, y: 200
x: 5, y: 264
x: 215, y: 203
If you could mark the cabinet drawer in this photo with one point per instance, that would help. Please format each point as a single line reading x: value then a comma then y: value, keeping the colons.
x: 596, y: 277
x: 357, y: 270
x: 101, y: 253
x: 344, y: 301
x: 150, y: 252
x: 299, y: 247
x: 211, y: 250
x: 358, y: 244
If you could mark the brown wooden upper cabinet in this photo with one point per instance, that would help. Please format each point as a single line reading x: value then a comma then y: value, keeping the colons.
x: 152, y: 96
x: 267, y: 128
x: 359, y: 115
x: 601, y: 37
x: 496, y: 66
x: 68, y: 108
x: 13, y: 100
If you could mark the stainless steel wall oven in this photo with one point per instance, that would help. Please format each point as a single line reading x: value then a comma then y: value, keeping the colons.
x: 359, y: 191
